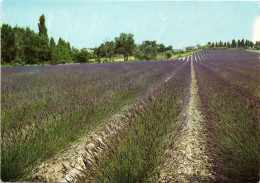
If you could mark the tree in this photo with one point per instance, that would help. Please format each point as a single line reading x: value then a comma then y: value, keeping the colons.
x: 147, y: 50
x: 247, y: 44
x: 228, y: 45
x: 168, y: 54
x: 98, y: 54
x: 52, y: 47
x: 31, y: 46
x: 81, y: 56
x: 161, y: 48
x: 41, y: 26
x: 19, y: 45
x: 52, y: 43
x: 233, y: 44
x: 242, y: 43
x: 44, y: 50
x: 124, y: 44
x: 220, y: 44
x: 251, y: 44
x: 62, y: 52
x: 7, y: 43
x: 108, y: 49
x: 239, y: 43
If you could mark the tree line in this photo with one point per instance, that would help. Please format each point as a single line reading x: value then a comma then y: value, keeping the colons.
x: 22, y: 46
x: 125, y: 45
x: 25, y: 46
x: 234, y: 44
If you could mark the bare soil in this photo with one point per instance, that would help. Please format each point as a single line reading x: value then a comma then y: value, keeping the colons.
x: 187, y: 158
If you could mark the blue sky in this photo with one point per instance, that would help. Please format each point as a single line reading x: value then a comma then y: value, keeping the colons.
x: 89, y: 23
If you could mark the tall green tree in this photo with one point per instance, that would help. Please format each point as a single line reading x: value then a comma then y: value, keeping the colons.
x: 228, y: 45
x: 233, y: 44
x: 7, y: 43
x: 31, y: 46
x: 52, y: 47
x: 41, y: 26
x: 44, y: 49
x: 125, y: 44
x: 251, y: 44
x: 52, y: 43
x: 220, y: 44
x: 247, y: 43
x: 242, y: 43
x: 239, y: 43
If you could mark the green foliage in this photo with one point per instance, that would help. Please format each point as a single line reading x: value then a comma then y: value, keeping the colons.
x: 147, y: 50
x: 17, y: 62
x: 161, y: 48
x: 167, y: 51
x: 52, y: 43
x: 21, y: 45
x: 61, y: 52
x: 239, y: 44
x: 125, y: 44
x: 98, y: 54
x: 168, y: 54
x: 107, y: 50
x: 44, y: 49
x: 257, y: 44
x: 7, y: 43
x: 228, y: 45
x: 234, y: 44
x: 41, y: 26
x: 31, y: 47
x: 81, y: 56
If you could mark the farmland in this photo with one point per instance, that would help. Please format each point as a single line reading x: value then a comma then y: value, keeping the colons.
x: 186, y: 120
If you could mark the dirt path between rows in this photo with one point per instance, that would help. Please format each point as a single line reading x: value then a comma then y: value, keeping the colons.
x: 188, y: 161
x: 68, y: 163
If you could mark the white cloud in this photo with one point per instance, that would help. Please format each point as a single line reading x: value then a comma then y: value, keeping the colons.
x: 256, y: 29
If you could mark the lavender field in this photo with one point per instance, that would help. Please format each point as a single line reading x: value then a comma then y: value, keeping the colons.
x: 185, y: 120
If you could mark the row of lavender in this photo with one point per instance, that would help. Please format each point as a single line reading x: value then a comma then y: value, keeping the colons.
x: 238, y: 67
x: 228, y: 86
x: 45, y: 108
x: 137, y: 152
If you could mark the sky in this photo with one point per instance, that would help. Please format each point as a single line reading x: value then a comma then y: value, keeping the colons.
x: 87, y: 23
